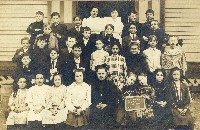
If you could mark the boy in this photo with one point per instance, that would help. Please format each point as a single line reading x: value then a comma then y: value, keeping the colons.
x: 25, y: 69
x: 150, y: 16
x: 36, y: 100
x: 87, y: 43
x: 98, y: 57
x: 75, y: 61
x: 36, y: 28
x: 67, y: 51
x: 132, y: 37
x: 132, y: 20
x: 60, y: 30
x: 152, y: 54
x: 76, y: 30
x: 55, y: 64
x: 24, y: 49
x: 159, y: 33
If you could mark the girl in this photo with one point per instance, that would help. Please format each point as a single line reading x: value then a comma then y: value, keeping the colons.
x: 117, y: 69
x: 108, y: 38
x: 18, y: 115
x: 174, y: 56
x: 161, y: 104
x: 79, y: 101
x: 98, y: 57
x: 56, y: 110
x: 180, y: 100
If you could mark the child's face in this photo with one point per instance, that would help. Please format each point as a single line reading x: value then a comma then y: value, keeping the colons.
x: 153, y: 43
x: 54, y: 55
x: 109, y: 30
x: 115, y: 50
x: 25, y: 44
x: 47, y: 30
x: 114, y: 14
x: 79, y: 77
x: 94, y: 12
x: 57, y: 80
x: 39, y: 79
x: 55, y: 19
x: 172, y: 42
x: 132, y: 29
x: 134, y: 49
x: 99, y: 44
x: 132, y: 17
x: 131, y: 79
x: 26, y: 60
x: 77, y: 52
x: 86, y: 34
x: 77, y: 21
x: 159, y: 76
x: 41, y: 43
x: 21, y: 83
x: 101, y: 74
x: 71, y: 41
x: 149, y: 16
x: 176, y: 75
x: 142, y: 80
x: 154, y: 25
x: 39, y: 17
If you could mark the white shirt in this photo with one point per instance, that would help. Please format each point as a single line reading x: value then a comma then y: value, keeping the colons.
x: 153, y: 57
x: 78, y: 95
x: 53, y: 65
x: 118, y: 25
x: 95, y: 24
x: 85, y: 41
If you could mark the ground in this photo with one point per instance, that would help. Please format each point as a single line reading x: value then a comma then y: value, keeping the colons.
x: 194, y: 107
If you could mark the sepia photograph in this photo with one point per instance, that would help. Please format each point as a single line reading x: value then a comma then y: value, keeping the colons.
x: 99, y: 65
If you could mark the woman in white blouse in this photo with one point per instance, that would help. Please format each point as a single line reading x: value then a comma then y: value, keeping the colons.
x: 78, y: 101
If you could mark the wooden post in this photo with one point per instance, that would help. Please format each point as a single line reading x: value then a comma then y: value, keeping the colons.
x: 68, y: 11
x: 156, y: 9
x: 55, y: 6
x: 143, y: 6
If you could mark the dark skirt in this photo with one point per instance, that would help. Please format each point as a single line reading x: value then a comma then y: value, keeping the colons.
x: 179, y: 120
x: 78, y: 120
x: 123, y: 116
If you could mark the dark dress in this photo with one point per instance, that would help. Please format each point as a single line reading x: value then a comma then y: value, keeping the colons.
x: 103, y: 92
x: 162, y: 114
x: 136, y: 63
x: 181, y: 102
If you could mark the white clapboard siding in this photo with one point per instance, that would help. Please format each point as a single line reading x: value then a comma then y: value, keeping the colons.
x: 15, y: 17
x: 183, y: 20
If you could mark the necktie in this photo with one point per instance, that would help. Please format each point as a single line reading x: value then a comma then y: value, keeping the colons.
x: 77, y: 28
x: 53, y: 66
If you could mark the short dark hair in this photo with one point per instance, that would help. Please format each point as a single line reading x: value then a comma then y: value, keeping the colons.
x: 40, y: 37
x: 150, y: 11
x: 151, y: 37
x: 133, y: 11
x: 77, y: 16
x: 108, y: 26
x: 103, y: 66
x: 39, y: 13
x: 55, y: 14
x: 85, y: 29
x: 77, y: 46
x: 54, y: 49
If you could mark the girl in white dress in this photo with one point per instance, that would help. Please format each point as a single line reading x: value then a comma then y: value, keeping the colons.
x: 18, y: 108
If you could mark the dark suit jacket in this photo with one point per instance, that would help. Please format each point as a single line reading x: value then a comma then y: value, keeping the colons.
x: 126, y: 42
x: 17, y: 57
x: 75, y: 33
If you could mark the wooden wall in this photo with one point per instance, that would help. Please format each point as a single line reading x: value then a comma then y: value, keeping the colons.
x: 182, y: 19
x: 15, y: 16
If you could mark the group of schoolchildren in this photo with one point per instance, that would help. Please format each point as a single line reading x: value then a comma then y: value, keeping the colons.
x: 79, y: 78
